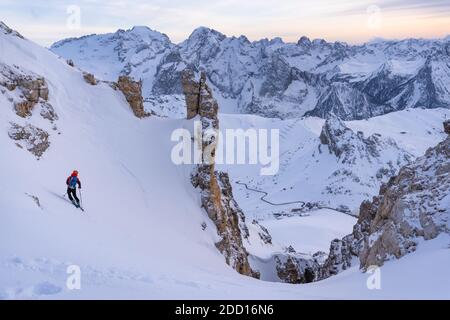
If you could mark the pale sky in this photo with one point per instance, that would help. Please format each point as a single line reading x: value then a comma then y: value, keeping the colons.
x: 353, y: 21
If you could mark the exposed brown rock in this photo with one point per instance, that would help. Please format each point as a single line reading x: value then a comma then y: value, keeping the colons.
x: 191, y: 91
x: 215, y: 187
x: 24, y: 108
x: 409, y: 206
x: 132, y: 91
x: 33, y: 88
x: 89, y: 78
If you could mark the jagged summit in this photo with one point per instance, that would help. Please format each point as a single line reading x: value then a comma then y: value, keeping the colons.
x: 273, y: 78
x: 305, y: 42
x: 350, y: 147
x: 201, y: 33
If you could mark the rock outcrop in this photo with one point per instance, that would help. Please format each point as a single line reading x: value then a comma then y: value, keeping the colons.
x: 362, y: 163
x: 32, y: 138
x: 191, y: 91
x: 263, y: 234
x: 32, y: 89
x: 447, y: 126
x: 414, y: 204
x: 89, y: 78
x: 215, y: 188
x: 132, y: 90
x: 48, y: 112
x: 343, y: 252
x: 291, y: 267
x: 31, y: 86
x: 7, y: 30
x: 350, y: 147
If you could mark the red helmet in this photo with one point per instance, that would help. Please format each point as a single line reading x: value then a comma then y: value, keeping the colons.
x: 74, y: 173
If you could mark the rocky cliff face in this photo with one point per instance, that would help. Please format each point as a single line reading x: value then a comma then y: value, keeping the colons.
x: 31, y: 88
x: 89, y: 78
x: 32, y: 138
x: 191, y: 91
x: 132, y: 90
x: 413, y: 205
x: 447, y: 127
x: 350, y: 147
x: 7, y: 30
x: 361, y: 162
x: 296, y: 270
x: 27, y: 91
x: 215, y: 188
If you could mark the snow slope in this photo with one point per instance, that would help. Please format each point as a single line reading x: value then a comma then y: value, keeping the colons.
x: 141, y: 211
x: 141, y: 235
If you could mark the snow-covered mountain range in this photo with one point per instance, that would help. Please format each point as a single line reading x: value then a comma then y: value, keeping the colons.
x: 145, y: 234
x: 273, y: 78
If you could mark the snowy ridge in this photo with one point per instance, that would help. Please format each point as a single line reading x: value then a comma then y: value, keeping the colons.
x: 412, y: 207
x: 373, y: 150
x: 272, y: 78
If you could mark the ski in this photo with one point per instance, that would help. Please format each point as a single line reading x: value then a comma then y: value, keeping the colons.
x: 79, y: 207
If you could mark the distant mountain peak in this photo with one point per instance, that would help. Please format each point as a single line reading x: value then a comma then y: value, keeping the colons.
x: 304, y: 42
x: 202, y: 32
x: 276, y: 79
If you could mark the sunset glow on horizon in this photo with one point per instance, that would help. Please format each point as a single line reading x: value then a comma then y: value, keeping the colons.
x: 352, y: 21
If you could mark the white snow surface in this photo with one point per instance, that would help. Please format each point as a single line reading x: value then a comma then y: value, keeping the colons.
x: 141, y: 235
x: 311, y: 232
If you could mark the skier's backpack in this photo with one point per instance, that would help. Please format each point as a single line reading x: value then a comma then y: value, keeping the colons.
x: 72, y: 182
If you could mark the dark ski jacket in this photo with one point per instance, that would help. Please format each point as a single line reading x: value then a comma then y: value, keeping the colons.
x: 77, y: 181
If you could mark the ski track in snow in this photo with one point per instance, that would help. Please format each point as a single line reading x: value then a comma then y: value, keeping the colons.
x: 56, y: 273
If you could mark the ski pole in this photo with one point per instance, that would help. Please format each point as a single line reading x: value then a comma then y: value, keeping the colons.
x: 81, y: 198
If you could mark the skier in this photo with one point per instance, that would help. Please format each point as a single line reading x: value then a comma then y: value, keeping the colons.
x: 72, y: 182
